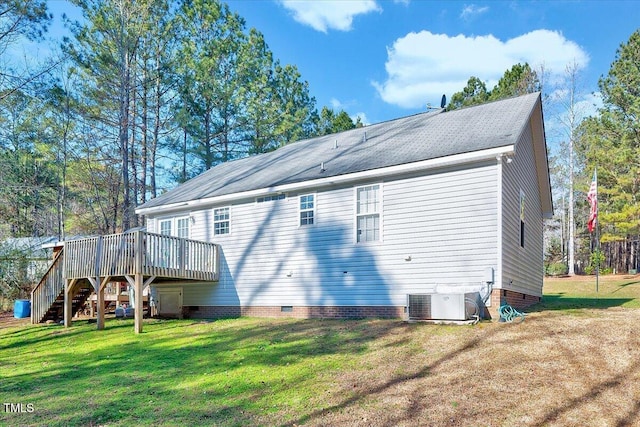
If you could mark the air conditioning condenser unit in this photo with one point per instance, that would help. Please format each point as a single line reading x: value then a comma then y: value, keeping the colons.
x: 450, y: 306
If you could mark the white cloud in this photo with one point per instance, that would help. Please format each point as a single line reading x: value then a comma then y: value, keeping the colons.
x: 363, y: 118
x: 423, y: 66
x: 470, y: 11
x: 329, y: 14
x: 335, y: 104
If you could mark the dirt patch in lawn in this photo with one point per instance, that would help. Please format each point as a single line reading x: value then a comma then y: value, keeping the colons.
x: 550, y: 370
x: 8, y: 320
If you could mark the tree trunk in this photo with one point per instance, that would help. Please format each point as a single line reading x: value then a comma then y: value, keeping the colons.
x: 124, y: 139
x: 156, y: 127
x: 133, y: 158
x: 143, y: 130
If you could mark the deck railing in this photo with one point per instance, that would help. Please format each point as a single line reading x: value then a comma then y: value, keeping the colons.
x: 48, y: 289
x: 139, y: 252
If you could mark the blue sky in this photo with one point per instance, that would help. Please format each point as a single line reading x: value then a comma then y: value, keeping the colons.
x: 387, y: 59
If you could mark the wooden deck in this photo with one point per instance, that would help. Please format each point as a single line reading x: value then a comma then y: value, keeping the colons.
x: 139, y: 252
x: 137, y: 257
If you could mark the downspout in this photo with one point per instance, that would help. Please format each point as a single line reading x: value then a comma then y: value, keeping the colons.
x: 499, y: 226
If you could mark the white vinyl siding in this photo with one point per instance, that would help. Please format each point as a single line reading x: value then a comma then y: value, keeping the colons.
x: 444, y: 222
x: 522, y: 266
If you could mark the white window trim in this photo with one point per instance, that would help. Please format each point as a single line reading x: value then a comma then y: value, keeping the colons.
x: 174, y: 224
x: 380, y: 215
x: 300, y: 210
x: 213, y: 217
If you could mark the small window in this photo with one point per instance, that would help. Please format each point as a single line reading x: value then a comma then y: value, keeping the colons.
x: 307, y: 209
x: 368, y: 202
x: 522, y: 205
x: 221, y: 221
x: 270, y: 198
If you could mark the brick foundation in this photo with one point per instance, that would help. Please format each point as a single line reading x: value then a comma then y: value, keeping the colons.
x: 330, y: 312
x: 516, y: 300
x: 498, y: 297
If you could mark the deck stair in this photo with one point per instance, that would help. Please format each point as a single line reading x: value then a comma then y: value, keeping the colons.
x: 48, y: 290
x: 135, y: 257
x: 80, y: 296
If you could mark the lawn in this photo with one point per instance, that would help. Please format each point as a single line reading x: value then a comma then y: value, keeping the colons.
x: 574, y: 361
x: 580, y: 292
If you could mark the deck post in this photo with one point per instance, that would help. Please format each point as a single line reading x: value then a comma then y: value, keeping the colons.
x: 100, y: 307
x: 95, y: 282
x: 139, y: 279
x: 101, y: 284
x: 68, y: 301
x: 137, y: 311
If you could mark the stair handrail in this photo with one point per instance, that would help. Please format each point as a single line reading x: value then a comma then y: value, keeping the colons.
x: 40, y: 299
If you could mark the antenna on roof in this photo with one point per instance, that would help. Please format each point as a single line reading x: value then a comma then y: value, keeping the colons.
x: 443, y: 101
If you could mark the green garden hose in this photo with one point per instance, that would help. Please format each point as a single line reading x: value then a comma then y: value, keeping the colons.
x: 510, y: 314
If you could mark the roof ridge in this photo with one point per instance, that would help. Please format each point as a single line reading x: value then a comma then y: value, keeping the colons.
x: 421, y: 136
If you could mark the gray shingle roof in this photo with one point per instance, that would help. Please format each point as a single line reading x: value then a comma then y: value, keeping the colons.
x: 410, y: 139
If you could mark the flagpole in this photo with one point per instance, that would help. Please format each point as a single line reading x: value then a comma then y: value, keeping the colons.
x: 598, y: 252
x: 595, y: 174
x: 592, y: 198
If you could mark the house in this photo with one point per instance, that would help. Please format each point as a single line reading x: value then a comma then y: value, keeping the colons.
x: 349, y: 224
x: 22, y: 262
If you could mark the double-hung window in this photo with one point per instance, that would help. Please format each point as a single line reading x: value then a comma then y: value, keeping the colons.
x: 307, y: 209
x: 368, y: 208
x: 221, y: 223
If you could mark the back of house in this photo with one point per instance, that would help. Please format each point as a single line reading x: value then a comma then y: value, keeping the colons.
x: 352, y: 224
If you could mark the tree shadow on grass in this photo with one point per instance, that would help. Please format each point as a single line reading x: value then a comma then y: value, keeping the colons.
x: 608, y: 384
x: 35, y: 334
x: 104, y: 384
x: 624, y: 285
x: 560, y: 302
x: 398, y: 379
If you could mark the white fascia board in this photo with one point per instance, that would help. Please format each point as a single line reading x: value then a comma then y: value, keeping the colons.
x: 456, y: 159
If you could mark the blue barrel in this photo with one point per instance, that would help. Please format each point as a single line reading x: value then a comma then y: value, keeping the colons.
x: 22, y: 308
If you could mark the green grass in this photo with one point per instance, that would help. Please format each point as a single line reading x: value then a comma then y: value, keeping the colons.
x: 248, y: 371
x: 178, y: 372
x: 579, y: 292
